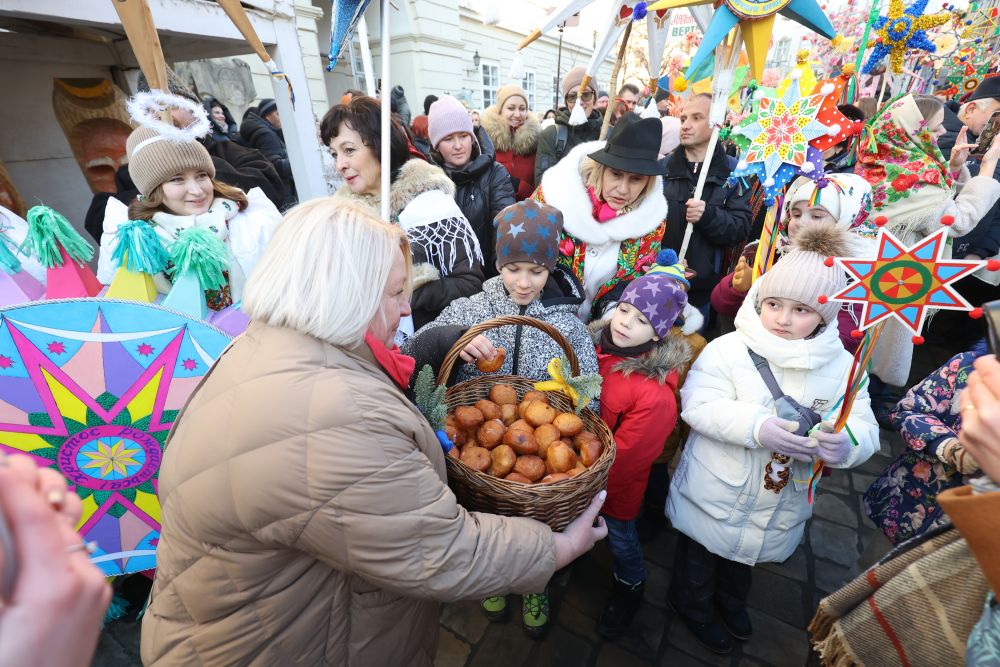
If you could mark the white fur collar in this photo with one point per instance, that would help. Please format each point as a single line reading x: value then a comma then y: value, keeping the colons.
x: 563, y: 188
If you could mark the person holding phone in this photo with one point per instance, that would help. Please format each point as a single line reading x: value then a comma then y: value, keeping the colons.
x: 915, y: 187
x: 48, y: 586
x: 952, y: 329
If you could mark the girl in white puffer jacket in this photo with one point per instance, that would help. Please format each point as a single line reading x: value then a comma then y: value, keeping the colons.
x: 739, y: 495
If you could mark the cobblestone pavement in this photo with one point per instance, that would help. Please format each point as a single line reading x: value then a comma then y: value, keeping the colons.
x: 782, y: 601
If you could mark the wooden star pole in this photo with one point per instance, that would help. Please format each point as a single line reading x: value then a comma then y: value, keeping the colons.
x: 717, y: 116
x: 140, y: 31
x: 614, y: 81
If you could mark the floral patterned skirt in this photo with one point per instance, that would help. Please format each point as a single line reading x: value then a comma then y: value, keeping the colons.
x: 902, y: 502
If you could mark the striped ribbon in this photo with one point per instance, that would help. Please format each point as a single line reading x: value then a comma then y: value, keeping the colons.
x: 767, y: 247
x: 857, y: 378
x: 278, y: 74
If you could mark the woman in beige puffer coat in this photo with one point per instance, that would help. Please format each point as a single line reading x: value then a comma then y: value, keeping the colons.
x: 306, y: 514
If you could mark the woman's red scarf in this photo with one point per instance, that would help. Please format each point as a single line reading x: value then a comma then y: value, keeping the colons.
x: 397, y: 365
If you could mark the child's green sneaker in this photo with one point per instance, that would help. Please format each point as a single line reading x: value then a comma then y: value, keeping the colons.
x: 535, y: 613
x: 495, y: 608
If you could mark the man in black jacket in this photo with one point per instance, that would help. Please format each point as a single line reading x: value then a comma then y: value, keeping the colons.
x: 261, y: 128
x: 557, y: 140
x: 722, y: 216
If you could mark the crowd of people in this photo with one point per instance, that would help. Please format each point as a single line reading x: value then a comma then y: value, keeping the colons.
x: 320, y: 528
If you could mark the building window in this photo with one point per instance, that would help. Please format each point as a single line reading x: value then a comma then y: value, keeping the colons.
x: 491, y: 81
x: 528, y: 84
x: 782, y: 52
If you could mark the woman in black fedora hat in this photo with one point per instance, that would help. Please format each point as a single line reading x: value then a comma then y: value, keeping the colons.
x: 611, y: 197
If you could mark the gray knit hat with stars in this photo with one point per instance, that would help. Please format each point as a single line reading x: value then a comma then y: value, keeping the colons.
x: 528, y: 232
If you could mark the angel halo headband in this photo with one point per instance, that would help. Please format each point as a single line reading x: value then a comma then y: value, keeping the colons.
x: 145, y: 109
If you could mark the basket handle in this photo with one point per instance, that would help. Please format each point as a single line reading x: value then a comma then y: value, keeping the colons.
x: 452, y: 357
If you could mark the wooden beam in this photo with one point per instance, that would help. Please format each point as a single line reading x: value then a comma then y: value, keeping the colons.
x: 138, y: 23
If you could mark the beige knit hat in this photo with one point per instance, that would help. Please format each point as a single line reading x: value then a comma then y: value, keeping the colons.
x: 504, y: 93
x: 803, y: 275
x: 573, y: 79
x: 154, y: 159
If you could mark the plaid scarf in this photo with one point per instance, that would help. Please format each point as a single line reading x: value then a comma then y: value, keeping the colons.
x: 915, y: 607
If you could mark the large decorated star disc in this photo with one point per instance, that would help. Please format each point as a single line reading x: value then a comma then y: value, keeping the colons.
x: 776, y: 140
x: 756, y: 20
x: 90, y: 388
x: 904, y: 282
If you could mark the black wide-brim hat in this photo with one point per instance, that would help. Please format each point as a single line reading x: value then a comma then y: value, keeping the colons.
x: 633, y: 148
x: 988, y: 87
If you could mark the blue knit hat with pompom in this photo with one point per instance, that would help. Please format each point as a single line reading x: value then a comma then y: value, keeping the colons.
x: 666, y: 262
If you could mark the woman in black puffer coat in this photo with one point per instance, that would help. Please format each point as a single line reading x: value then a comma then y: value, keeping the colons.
x: 482, y: 186
x: 224, y: 127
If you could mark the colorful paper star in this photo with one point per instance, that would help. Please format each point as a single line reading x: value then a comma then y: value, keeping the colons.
x: 904, y: 282
x: 756, y: 20
x: 830, y: 116
x: 981, y: 23
x: 775, y: 140
x: 968, y: 70
x: 903, y: 28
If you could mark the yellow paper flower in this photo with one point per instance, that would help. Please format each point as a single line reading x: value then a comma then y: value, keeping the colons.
x: 842, y: 45
x: 945, y: 43
x: 560, y: 382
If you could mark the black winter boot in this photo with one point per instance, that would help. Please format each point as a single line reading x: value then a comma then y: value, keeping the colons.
x: 737, y: 622
x: 711, y: 635
x: 621, y: 609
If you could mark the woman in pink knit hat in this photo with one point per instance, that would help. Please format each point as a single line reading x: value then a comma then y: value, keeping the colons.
x: 483, y: 188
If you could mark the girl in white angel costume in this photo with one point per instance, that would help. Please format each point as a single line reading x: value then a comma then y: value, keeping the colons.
x: 177, y: 190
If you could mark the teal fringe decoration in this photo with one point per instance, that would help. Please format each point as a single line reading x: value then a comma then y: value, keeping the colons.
x: 116, y: 610
x: 140, y: 247
x: 8, y: 262
x: 198, y: 249
x: 48, y: 230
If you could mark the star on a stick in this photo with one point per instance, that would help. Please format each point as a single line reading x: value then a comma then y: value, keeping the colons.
x: 902, y: 29
x: 904, y: 282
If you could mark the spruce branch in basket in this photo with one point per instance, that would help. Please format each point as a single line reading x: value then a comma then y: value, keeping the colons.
x: 430, y: 402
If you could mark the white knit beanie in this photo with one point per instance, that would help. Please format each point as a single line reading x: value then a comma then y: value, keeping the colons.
x: 845, y: 197
x: 802, y: 274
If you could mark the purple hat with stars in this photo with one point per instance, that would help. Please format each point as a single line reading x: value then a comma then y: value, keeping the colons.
x: 528, y: 232
x: 659, y: 297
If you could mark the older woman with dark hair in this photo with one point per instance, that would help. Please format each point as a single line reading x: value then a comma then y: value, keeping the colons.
x: 447, y: 256
x: 307, y: 517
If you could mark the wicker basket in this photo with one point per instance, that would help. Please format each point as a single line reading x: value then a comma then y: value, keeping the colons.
x: 555, y: 503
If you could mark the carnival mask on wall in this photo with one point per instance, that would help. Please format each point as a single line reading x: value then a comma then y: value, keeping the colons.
x: 92, y: 114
